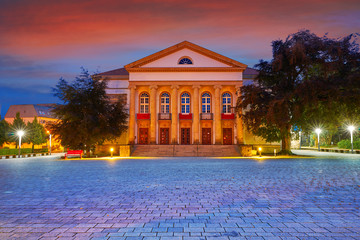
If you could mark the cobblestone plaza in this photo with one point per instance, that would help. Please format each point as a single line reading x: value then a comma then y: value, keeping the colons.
x: 180, y: 199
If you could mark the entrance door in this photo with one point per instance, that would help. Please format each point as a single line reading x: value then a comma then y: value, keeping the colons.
x: 143, y: 136
x: 164, y: 136
x: 206, y: 136
x: 227, y: 136
x: 185, y: 136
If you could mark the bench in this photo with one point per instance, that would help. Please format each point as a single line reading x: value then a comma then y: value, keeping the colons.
x: 74, y: 152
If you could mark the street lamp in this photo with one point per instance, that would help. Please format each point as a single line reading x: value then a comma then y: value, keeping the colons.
x: 20, y: 133
x: 318, y: 131
x: 111, y: 150
x: 50, y: 141
x: 351, y: 129
x: 260, y: 151
x: 300, y: 140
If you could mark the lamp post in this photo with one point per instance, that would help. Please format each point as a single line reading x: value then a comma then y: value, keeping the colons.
x: 50, y: 141
x: 111, y: 150
x: 300, y: 140
x: 351, y: 129
x: 318, y: 131
x: 260, y: 151
x: 20, y: 134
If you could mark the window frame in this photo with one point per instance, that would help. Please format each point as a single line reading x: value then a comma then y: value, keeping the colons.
x: 185, y: 103
x: 165, y: 104
x: 185, y: 57
x: 146, y: 104
x: 227, y: 105
x: 207, y: 104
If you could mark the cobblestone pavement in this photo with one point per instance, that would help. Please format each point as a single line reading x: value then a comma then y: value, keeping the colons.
x: 180, y: 199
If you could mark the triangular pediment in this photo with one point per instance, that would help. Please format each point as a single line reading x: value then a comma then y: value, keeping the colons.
x: 201, y: 58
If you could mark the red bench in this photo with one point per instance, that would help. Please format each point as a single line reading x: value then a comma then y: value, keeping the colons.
x: 74, y: 152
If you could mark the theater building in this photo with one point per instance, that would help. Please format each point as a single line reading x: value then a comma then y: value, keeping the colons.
x: 184, y: 94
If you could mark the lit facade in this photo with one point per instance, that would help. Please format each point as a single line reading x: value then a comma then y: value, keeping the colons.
x: 184, y: 94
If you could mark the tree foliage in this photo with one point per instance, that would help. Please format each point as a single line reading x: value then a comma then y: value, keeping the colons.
x: 307, y: 76
x: 36, y: 133
x: 4, y: 131
x: 86, y: 116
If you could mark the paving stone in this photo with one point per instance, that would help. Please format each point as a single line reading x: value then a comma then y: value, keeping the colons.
x: 136, y: 199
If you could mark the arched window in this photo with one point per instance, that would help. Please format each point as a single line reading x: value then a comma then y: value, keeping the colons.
x: 185, y: 103
x: 185, y: 60
x: 206, y: 103
x: 165, y: 103
x: 226, y: 102
x: 144, y: 103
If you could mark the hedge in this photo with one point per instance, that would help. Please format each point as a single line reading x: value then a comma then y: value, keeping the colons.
x: 23, y: 151
x: 347, y: 144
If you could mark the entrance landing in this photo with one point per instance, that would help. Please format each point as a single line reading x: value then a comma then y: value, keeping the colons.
x: 186, y: 151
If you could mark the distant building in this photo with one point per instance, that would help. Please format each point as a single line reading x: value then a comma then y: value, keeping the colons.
x: 29, y: 111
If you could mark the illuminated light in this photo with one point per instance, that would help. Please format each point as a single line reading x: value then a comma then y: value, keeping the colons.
x: 260, y: 151
x: 351, y: 129
x: 111, y: 150
x: 20, y: 133
x: 318, y: 131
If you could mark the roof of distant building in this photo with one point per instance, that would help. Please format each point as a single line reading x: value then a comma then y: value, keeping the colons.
x: 30, y: 110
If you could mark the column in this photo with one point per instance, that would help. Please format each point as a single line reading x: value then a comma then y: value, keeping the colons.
x: 174, y: 114
x: 239, y: 123
x: 217, y: 121
x: 132, y: 118
x: 153, y: 113
x: 196, y: 114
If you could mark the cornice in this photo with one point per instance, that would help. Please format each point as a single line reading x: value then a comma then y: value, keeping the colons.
x: 187, y: 69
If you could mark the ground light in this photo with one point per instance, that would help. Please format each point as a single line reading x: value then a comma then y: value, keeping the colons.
x: 50, y: 141
x: 260, y: 151
x: 351, y: 129
x: 111, y: 150
x: 318, y: 131
x: 20, y: 134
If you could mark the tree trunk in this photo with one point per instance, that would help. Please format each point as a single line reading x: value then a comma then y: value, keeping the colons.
x: 32, y: 148
x: 286, y: 142
x: 88, y: 151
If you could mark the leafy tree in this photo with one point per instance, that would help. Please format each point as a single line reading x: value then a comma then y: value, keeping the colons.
x: 36, y: 133
x: 87, y: 117
x: 4, y: 131
x: 306, y: 73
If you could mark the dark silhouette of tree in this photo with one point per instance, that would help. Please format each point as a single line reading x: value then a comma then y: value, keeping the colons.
x: 307, y: 75
x: 86, y: 118
x: 4, y: 131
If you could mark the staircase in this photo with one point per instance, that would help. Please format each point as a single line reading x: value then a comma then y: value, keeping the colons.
x: 186, y: 151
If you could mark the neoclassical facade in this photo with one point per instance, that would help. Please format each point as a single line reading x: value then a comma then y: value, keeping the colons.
x: 184, y: 94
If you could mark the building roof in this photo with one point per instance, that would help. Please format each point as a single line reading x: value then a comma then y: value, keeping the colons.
x: 30, y: 111
x: 182, y: 45
x: 250, y: 71
x: 119, y: 71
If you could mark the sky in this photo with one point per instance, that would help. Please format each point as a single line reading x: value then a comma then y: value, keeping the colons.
x: 43, y: 40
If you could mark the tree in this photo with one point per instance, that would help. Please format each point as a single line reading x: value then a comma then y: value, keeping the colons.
x: 4, y: 131
x: 36, y: 133
x: 87, y: 117
x: 306, y: 72
x: 17, y: 125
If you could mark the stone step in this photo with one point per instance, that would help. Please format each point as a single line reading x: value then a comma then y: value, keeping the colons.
x: 185, y: 151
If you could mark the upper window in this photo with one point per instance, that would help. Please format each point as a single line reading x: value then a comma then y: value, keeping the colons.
x: 185, y: 103
x: 185, y: 60
x: 226, y: 103
x: 165, y: 103
x: 144, y: 103
x: 206, y: 103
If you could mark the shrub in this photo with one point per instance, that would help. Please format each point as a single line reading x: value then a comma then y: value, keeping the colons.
x: 14, y: 151
x: 347, y: 144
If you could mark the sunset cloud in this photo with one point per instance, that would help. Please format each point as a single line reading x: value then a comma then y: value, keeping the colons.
x: 42, y: 40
